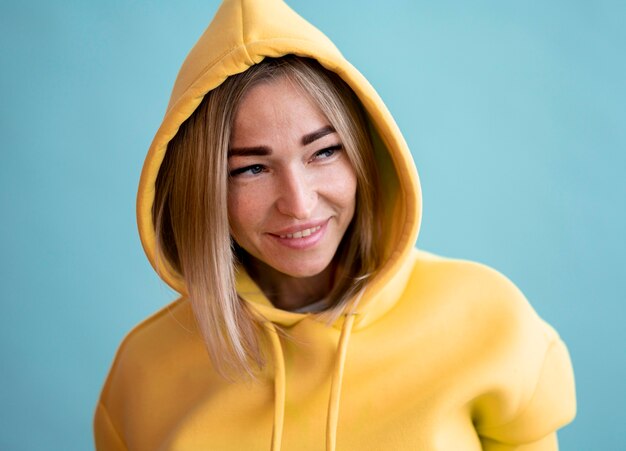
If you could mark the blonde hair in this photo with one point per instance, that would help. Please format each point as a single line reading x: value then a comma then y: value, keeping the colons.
x: 191, y: 220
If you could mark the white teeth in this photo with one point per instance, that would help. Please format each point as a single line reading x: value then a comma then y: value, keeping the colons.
x: 302, y: 233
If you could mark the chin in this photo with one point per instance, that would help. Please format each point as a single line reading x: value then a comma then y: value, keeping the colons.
x: 302, y: 269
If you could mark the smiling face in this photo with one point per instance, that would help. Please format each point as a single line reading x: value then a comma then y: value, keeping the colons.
x: 292, y: 189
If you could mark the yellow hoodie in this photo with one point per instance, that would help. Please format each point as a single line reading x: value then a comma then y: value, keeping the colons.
x: 440, y: 354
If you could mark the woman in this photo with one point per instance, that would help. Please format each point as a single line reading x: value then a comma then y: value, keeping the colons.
x: 279, y: 198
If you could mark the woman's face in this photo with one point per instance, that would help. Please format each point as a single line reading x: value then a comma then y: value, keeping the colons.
x: 292, y: 189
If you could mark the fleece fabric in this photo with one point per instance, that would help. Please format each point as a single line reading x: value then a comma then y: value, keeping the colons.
x: 439, y: 354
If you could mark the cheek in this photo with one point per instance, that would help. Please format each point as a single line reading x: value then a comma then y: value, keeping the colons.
x: 345, y: 185
x: 241, y: 210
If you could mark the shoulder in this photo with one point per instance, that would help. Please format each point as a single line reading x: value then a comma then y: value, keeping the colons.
x: 482, y: 293
x: 521, y: 374
x: 151, y: 347
x: 473, y: 276
x: 145, y: 365
x: 483, y: 315
x: 165, y: 328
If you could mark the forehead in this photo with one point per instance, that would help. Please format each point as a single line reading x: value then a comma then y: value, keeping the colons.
x: 276, y: 110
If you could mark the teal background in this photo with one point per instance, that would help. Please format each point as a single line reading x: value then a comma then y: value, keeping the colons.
x: 514, y: 112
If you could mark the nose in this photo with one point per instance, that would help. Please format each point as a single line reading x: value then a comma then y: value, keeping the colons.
x: 297, y: 194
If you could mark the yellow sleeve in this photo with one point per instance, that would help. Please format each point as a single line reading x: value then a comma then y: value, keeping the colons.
x: 106, y: 436
x: 548, y: 443
x: 552, y: 405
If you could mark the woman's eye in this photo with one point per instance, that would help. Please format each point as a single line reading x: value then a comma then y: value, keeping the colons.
x: 328, y: 151
x: 247, y: 170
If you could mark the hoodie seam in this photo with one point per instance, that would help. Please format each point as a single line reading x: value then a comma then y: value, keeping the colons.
x: 207, y: 69
x: 243, y: 36
x: 107, y: 417
x: 527, y: 405
x: 244, y: 46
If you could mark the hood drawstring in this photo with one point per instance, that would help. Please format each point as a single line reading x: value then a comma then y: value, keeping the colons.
x: 332, y: 417
x: 334, y: 400
x: 279, y: 387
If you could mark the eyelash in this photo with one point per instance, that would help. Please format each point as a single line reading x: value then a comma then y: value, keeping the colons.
x: 331, y: 150
x: 239, y: 171
x: 327, y: 152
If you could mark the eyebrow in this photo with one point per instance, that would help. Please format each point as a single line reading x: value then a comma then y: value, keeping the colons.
x: 309, y: 138
x: 257, y: 151
x: 249, y: 151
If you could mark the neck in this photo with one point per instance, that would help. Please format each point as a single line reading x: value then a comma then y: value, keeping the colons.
x: 287, y: 292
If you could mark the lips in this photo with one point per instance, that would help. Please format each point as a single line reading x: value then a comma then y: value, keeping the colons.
x: 301, y: 237
x: 301, y: 230
x: 301, y: 233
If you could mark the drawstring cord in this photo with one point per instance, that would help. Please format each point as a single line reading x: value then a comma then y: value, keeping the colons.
x: 332, y: 417
x: 279, y: 387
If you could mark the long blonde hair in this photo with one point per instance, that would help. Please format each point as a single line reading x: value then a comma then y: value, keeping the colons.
x: 191, y: 220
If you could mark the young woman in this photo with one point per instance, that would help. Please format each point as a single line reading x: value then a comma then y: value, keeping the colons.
x: 280, y: 199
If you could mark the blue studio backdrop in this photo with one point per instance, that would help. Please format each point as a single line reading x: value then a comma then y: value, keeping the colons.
x: 514, y: 112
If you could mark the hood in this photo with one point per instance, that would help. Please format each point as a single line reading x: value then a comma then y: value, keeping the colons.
x: 242, y: 33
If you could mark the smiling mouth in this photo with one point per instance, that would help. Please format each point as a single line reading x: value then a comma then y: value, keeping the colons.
x: 301, y: 233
